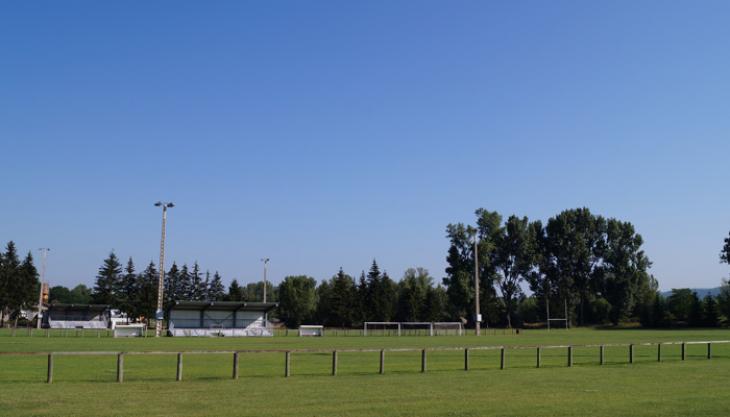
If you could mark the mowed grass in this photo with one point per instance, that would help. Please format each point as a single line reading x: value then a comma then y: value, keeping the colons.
x: 84, y: 385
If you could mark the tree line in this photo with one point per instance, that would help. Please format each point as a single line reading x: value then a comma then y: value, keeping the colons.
x: 19, y: 285
x: 592, y: 267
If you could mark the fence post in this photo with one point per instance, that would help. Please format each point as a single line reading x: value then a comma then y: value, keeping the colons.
x: 538, y: 356
x: 659, y: 352
x: 49, y: 377
x: 466, y: 359
x: 287, y: 364
x: 382, y: 361
x: 684, y: 350
x: 235, y: 365
x: 178, y: 374
x: 709, y: 350
x: 423, y: 360
x: 120, y: 367
x: 570, y: 356
x: 631, y: 353
x: 501, y: 359
x: 602, y: 354
x: 334, y: 362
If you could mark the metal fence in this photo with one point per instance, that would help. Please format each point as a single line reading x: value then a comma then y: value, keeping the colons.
x: 288, y: 355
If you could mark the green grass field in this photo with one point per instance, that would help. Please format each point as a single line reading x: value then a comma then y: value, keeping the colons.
x: 85, y: 385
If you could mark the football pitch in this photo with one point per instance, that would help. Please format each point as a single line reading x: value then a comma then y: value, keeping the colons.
x: 86, y: 385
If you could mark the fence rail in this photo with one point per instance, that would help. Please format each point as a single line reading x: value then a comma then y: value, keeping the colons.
x: 288, y: 354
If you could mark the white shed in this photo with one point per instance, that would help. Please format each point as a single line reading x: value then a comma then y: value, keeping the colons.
x: 219, y: 318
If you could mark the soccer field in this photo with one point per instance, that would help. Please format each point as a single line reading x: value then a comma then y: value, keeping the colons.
x: 85, y: 385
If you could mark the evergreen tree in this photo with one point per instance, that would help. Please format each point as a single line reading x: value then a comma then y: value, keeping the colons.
x: 185, y: 284
x: 172, y: 286
x: 235, y: 292
x: 24, y: 286
x: 216, y: 291
x: 196, y: 291
x: 108, y: 281
x: 128, y: 291
x: 435, y: 308
x: 146, y: 300
x: 340, y: 298
x: 710, y: 312
x: 205, y: 287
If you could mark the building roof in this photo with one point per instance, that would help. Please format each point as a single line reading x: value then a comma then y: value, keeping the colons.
x: 96, y: 307
x: 224, y: 305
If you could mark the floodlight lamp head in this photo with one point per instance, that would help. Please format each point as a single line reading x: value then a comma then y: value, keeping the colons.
x: 158, y: 204
x: 170, y: 205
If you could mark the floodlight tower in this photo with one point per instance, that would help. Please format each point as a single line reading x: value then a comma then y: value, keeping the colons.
x: 159, y: 315
x: 477, y: 314
x: 266, y: 263
x: 44, y: 255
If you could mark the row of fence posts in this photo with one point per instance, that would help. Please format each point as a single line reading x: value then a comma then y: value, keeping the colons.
x: 424, y: 357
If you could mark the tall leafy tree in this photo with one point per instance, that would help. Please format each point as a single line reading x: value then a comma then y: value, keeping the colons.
x: 108, y: 281
x: 413, y: 291
x: 514, y: 260
x: 297, y: 300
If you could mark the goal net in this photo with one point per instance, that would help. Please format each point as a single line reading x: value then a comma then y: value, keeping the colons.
x: 448, y: 328
x: 381, y: 328
x: 311, y: 330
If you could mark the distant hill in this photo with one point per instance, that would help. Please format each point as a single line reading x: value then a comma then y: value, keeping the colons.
x: 701, y: 292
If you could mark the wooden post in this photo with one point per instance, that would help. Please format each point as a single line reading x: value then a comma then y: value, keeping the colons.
x: 423, y: 360
x: 466, y: 359
x: 570, y: 356
x: 538, y: 357
x: 602, y: 354
x: 49, y: 376
x: 287, y: 364
x: 382, y: 361
x: 709, y: 350
x: 120, y: 367
x: 235, y: 365
x: 684, y: 350
x: 659, y: 352
x: 178, y: 374
x: 501, y: 359
x: 334, y: 362
x: 631, y: 353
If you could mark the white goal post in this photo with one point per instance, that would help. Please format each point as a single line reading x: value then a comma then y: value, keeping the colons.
x: 314, y: 330
x: 412, y: 328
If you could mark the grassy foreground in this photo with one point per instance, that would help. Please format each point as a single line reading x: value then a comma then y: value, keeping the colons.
x: 84, y: 385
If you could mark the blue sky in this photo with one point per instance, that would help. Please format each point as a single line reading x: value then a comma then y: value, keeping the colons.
x: 326, y: 134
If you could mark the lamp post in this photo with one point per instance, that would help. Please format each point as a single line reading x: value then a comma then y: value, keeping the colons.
x: 266, y: 263
x: 44, y: 255
x: 159, y: 315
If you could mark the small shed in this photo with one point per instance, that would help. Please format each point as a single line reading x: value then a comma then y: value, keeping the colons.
x: 77, y: 316
x: 220, y: 318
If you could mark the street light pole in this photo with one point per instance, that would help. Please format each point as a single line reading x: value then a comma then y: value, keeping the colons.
x: 159, y: 315
x: 477, y: 314
x: 44, y: 255
x: 266, y: 263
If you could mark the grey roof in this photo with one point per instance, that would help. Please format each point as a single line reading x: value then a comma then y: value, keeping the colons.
x: 224, y: 305
x: 61, y: 306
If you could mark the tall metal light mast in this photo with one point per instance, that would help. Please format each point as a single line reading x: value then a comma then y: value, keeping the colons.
x: 266, y: 263
x: 477, y: 313
x: 159, y: 314
x: 44, y: 255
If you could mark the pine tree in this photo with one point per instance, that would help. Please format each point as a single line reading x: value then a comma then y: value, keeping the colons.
x: 172, y: 286
x: 216, y: 291
x: 147, y: 292
x: 196, y: 284
x: 23, y: 287
x: 185, y: 284
x: 128, y: 293
x: 205, y: 287
x: 235, y: 292
x: 108, y: 281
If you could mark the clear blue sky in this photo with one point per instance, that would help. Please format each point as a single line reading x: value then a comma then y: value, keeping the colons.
x: 326, y: 134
